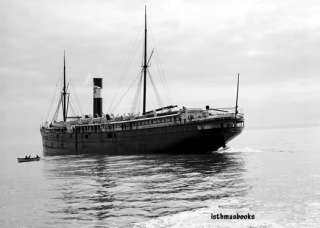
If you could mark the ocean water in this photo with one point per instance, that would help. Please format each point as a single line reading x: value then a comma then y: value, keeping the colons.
x: 273, y: 174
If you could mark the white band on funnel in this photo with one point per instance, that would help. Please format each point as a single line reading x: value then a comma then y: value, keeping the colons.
x: 96, y: 92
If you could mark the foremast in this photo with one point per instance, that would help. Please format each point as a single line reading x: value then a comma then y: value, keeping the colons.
x: 145, y: 65
x: 64, y: 90
x: 64, y: 98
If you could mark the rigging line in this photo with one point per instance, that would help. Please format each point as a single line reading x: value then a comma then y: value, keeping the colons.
x: 118, y: 90
x: 53, y: 99
x: 72, y: 110
x: 138, y: 107
x: 76, y: 96
x: 136, y: 96
x: 57, y: 110
x: 148, y: 62
x: 68, y: 103
x: 160, y: 64
x: 139, y: 101
x: 68, y: 99
x: 134, y: 101
x: 134, y: 46
x: 163, y: 77
x: 76, y: 107
x: 124, y: 94
x: 155, y: 90
x: 162, y: 83
x: 160, y: 76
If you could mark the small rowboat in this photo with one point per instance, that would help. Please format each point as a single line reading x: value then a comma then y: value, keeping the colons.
x: 28, y: 159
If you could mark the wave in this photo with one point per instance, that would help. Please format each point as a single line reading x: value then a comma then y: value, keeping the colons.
x: 201, y: 218
x: 238, y: 150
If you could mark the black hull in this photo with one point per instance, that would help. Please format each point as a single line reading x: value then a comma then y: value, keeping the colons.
x: 186, y: 138
x: 27, y: 159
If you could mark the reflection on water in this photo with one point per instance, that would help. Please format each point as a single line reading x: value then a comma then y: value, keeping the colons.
x: 121, y: 190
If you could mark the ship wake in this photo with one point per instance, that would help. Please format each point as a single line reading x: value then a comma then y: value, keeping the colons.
x: 204, y: 217
x: 230, y: 149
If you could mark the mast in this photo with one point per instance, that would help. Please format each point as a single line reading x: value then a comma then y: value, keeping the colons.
x: 145, y: 66
x: 236, y: 109
x: 64, y: 92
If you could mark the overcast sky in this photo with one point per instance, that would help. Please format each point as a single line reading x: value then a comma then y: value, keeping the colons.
x: 200, y: 46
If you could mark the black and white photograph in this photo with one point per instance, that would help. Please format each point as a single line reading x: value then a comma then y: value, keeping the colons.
x: 159, y: 113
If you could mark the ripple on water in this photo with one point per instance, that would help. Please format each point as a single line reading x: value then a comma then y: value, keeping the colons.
x: 133, y: 188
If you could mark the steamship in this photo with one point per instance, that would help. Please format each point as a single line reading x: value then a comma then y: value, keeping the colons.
x: 169, y: 129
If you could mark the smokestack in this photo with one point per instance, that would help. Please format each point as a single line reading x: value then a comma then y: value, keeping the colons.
x: 97, y: 99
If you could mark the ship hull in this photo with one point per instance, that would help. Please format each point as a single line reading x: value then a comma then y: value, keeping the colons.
x: 186, y: 138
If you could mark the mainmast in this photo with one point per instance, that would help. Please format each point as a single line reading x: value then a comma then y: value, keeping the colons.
x: 236, y: 109
x: 145, y: 66
x: 64, y: 92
